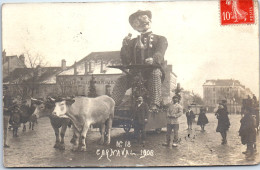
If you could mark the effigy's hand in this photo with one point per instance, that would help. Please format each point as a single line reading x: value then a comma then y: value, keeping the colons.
x: 149, y: 61
x: 127, y: 39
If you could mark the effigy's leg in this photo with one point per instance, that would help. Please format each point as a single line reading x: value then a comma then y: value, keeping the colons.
x: 155, y: 87
x: 120, y: 88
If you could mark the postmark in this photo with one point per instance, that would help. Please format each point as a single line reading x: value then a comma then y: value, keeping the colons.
x: 237, y: 12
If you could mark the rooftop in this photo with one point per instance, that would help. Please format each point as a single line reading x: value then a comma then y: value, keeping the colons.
x: 47, y: 75
x: 223, y: 82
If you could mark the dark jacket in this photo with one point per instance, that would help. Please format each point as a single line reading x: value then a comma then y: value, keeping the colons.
x: 8, y: 103
x: 247, y: 129
x: 223, y: 120
x: 141, y: 113
x: 190, y: 115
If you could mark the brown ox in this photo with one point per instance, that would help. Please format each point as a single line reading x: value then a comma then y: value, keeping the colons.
x: 83, y: 112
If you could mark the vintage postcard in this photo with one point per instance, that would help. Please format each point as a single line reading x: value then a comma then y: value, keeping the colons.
x: 130, y: 84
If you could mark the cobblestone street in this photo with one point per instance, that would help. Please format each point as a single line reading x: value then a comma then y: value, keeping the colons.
x: 35, y: 148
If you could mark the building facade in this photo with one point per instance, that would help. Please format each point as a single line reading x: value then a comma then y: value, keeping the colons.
x: 75, y: 80
x: 10, y: 63
x: 225, y: 89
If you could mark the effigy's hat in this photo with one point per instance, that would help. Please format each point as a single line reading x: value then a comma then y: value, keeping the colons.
x: 137, y: 14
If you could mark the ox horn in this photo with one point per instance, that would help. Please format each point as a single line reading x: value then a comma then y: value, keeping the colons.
x: 52, y: 99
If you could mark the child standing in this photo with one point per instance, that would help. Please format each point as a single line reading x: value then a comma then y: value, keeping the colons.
x: 190, y: 116
x: 202, y: 120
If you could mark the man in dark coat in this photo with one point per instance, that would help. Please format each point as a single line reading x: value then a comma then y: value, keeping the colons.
x: 247, y: 131
x: 140, y: 118
x: 7, y: 104
x: 190, y: 116
x: 223, y: 122
x: 147, y: 48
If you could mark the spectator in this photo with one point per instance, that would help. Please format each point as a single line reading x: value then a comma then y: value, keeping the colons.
x: 190, y: 116
x: 140, y: 119
x: 173, y: 113
x: 223, y: 122
x: 202, y: 119
x: 7, y: 103
x: 247, y: 132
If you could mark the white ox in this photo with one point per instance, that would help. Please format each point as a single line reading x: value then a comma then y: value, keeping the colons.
x: 83, y: 112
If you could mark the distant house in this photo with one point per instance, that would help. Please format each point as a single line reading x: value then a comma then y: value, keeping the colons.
x: 34, y: 82
x: 225, y: 89
x: 75, y: 80
x: 10, y: 63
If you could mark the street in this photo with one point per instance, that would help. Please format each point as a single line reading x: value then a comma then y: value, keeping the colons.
x: 196, y: 148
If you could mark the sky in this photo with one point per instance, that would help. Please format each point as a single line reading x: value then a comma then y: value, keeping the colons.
x: 199, y: 48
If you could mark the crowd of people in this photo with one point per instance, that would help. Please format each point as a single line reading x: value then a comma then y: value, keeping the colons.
x: 247, y: 131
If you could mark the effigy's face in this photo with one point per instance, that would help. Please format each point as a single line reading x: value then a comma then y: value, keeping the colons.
x: 142, y: 23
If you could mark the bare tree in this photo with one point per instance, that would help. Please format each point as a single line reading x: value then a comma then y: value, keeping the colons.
x: 27, y: 83
x: 197, y: 99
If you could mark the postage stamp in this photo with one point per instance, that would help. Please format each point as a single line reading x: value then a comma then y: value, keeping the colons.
x: 237, y: 12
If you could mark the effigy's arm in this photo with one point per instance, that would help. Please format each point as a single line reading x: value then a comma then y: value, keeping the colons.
x: 160, y: 50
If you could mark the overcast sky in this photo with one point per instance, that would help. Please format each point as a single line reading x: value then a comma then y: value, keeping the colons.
x: 199, y: 47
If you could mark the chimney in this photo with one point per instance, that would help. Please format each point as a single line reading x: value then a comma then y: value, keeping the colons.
x: 86, y: 67
x: 101, y: 67
x: 63, y: 64
x: 22, y: 58
x: 165, y: 63
x: 4, y: 56
x: 75, y: 68
x: 8, y: 66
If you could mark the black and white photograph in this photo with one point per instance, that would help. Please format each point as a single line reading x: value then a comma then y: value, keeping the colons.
x: 130, y: 84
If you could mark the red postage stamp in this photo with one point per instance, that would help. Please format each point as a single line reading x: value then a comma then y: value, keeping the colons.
x: 237, y: 12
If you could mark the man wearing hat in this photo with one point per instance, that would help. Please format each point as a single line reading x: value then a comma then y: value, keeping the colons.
x: 7, y: 103
x: 147, y: 48
x: 173, y: 113
x: 140, y: 118
x: 223, y: 121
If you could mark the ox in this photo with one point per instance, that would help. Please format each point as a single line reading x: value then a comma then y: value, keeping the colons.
x: 45, y: 109
x: 83, y: 112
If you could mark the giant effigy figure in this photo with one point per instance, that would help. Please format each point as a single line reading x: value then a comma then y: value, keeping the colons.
x: 147, y: 49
